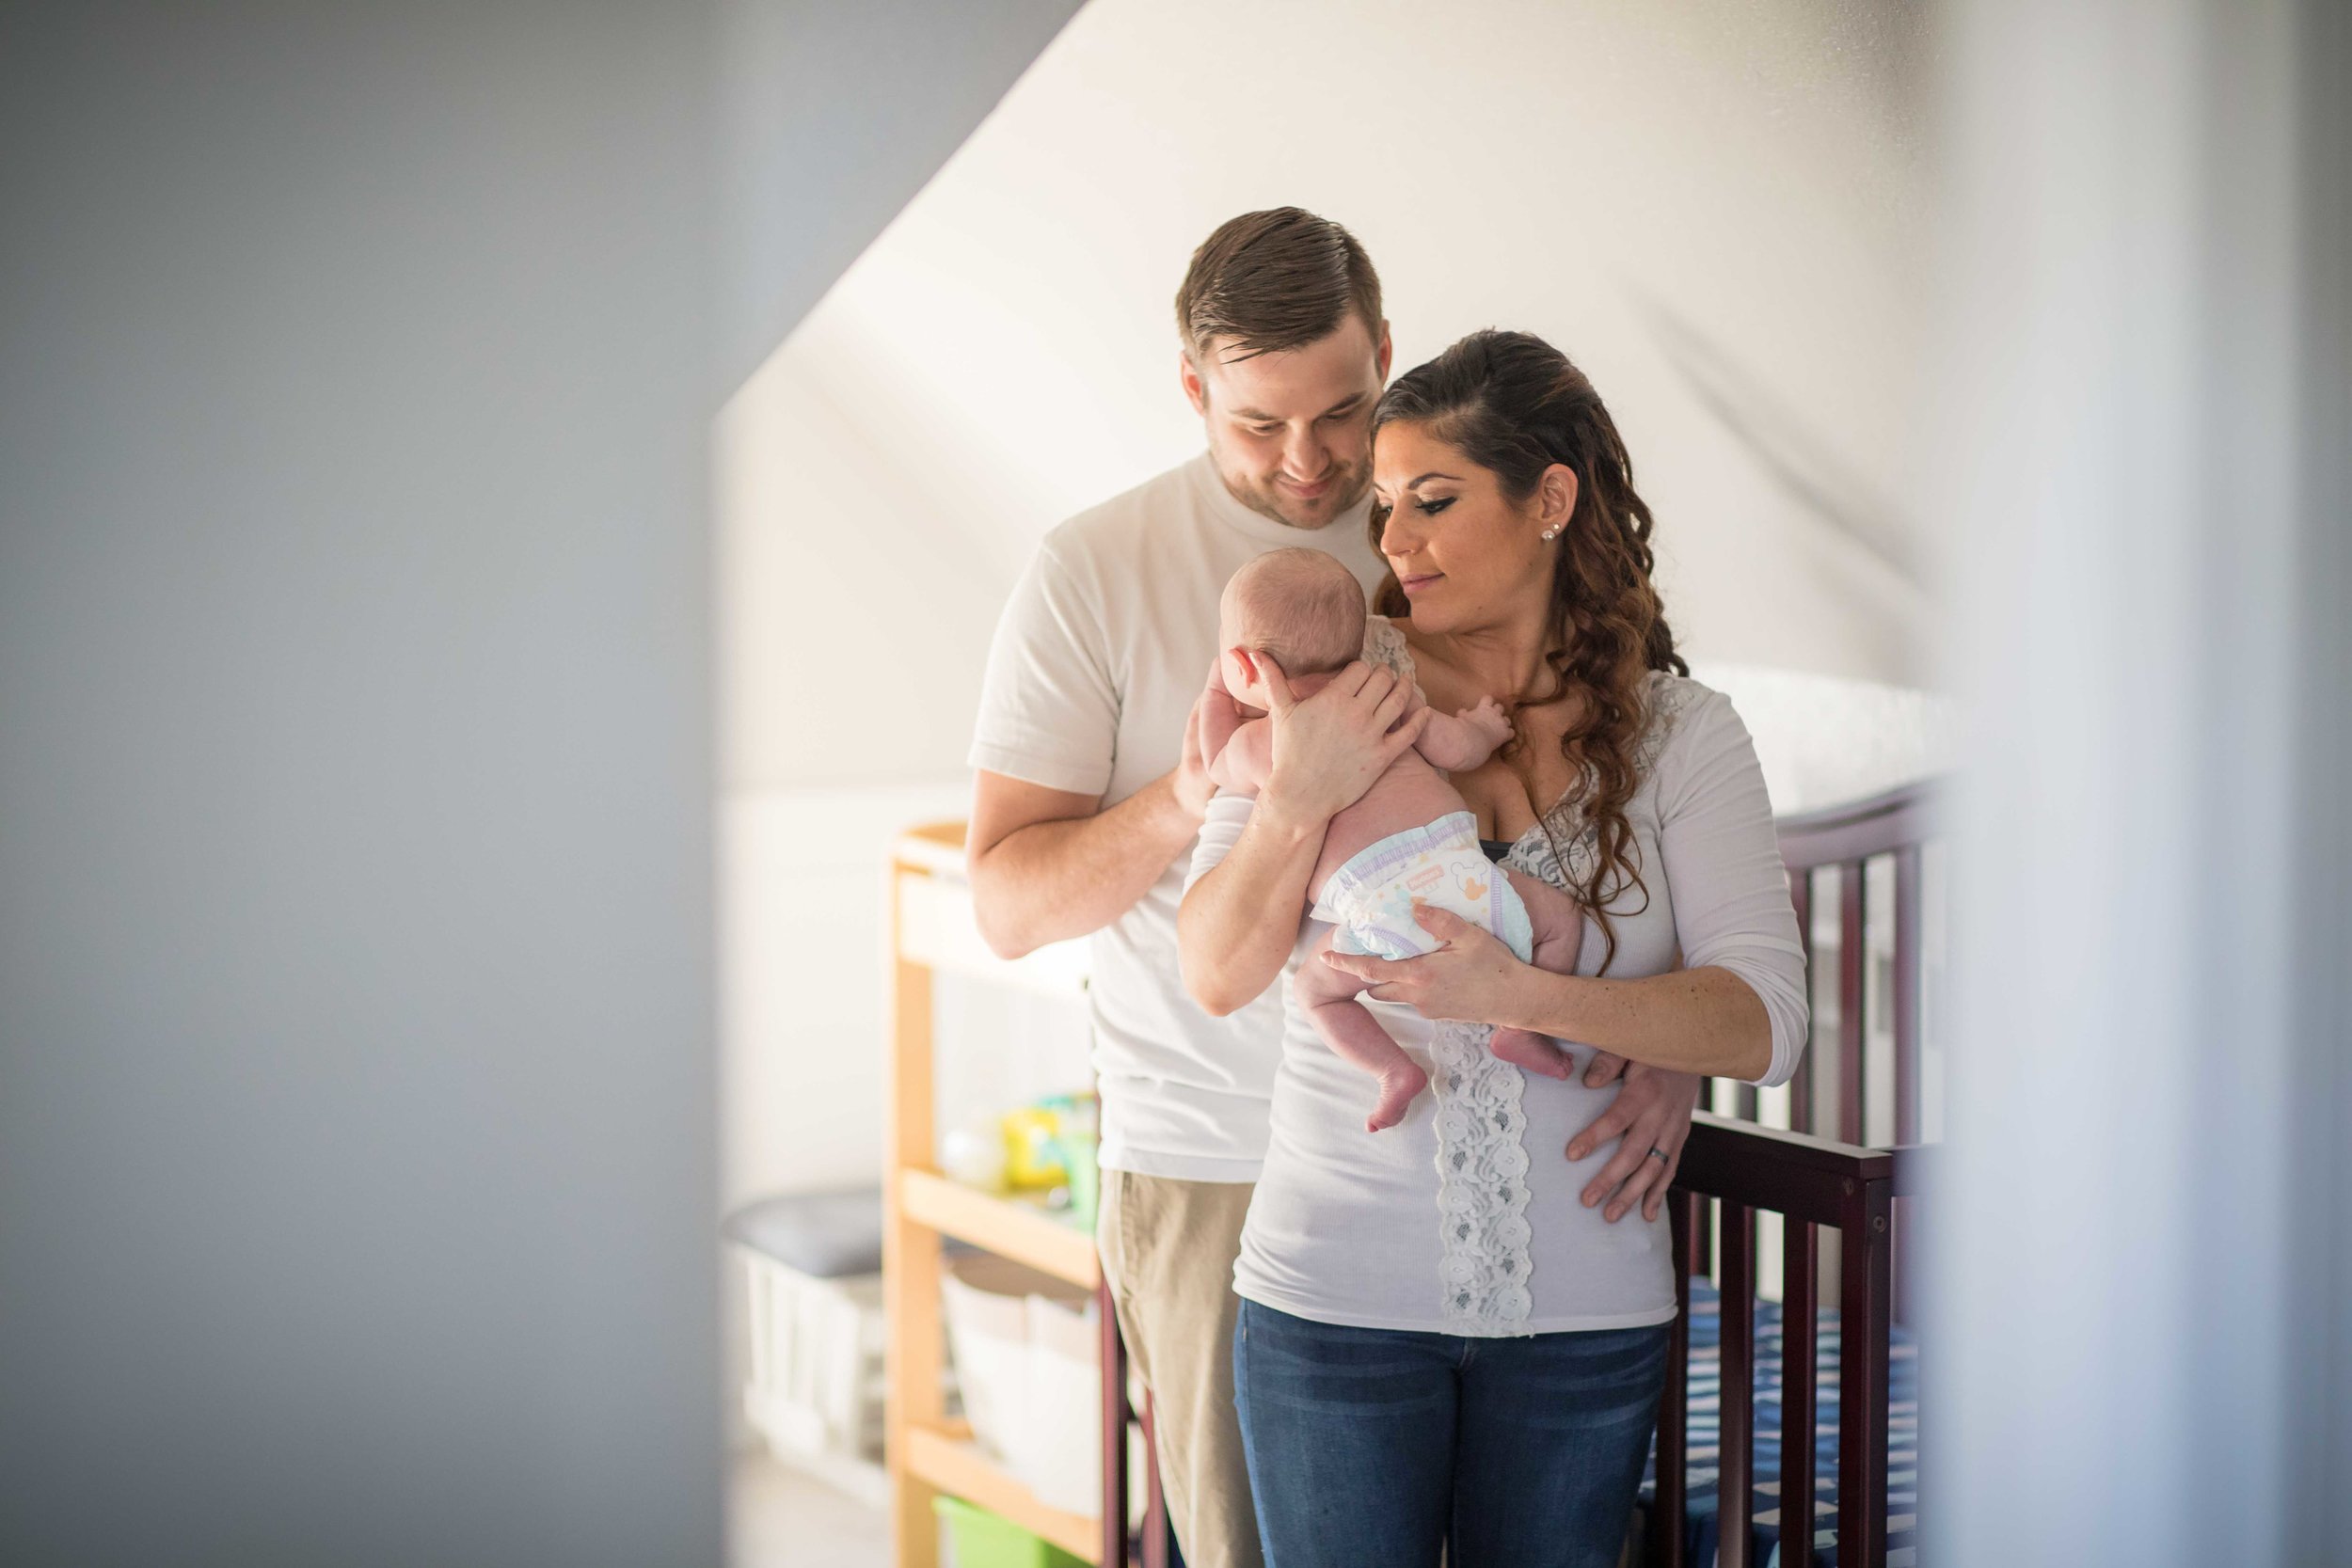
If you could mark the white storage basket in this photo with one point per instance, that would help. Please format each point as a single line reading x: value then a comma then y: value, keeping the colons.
x: 1025, y: 1347
x: 817, y: 1333
x: 815, y: 1389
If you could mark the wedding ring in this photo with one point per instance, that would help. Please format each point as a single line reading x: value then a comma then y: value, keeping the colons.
x: 1659, y: 1153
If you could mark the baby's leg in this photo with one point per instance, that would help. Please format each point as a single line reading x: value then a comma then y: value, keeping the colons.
x: 1558, y: 935
x: 1558, y: 920
x: 1328, y: 998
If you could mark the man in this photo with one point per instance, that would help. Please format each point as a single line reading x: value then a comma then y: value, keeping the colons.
x: 1090, y: 792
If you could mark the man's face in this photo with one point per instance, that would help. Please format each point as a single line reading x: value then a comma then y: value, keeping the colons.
x: 1291, y: 432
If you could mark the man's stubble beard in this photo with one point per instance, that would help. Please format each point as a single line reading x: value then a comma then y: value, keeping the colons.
x: 1268, y: 502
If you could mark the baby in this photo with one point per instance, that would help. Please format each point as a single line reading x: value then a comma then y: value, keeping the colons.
x: 1410, y: 837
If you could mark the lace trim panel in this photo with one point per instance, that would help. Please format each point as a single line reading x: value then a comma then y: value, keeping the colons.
x: 1482, y: 1183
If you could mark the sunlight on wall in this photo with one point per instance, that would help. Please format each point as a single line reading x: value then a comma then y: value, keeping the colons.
x: 1717, y: 211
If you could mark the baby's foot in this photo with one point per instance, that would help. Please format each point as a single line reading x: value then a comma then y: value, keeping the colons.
x: 1534, y: 1051
x: 1397, y: 1088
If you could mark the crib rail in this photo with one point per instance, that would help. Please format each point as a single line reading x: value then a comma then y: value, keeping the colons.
x: 1841, y: 844
x: 1839, y: 1199
x: 1812, y: 1183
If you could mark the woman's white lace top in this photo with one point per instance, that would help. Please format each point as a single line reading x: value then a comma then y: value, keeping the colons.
x: 1464, y: 1218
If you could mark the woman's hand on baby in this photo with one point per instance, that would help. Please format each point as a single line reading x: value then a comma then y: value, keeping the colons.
x: 1328, y: 748
x: 1473, y: 977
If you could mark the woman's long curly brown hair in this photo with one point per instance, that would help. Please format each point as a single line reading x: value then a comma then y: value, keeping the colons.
x: 1515, y: 405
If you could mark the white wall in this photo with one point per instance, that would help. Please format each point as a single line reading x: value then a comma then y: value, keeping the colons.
x: 804, y: 911
x: 832, y: 115
x: 2143, y: 1243
x: 1716, y: 208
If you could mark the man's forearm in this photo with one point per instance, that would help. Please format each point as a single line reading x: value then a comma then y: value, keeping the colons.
x: 1052, y: 880
x: 1240, y: 921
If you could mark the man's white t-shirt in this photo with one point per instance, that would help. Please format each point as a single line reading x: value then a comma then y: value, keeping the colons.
x: 1102, y: 650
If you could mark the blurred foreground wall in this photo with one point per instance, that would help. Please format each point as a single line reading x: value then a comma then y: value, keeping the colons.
x: 2144, y: 1350
x: 356, y: 1178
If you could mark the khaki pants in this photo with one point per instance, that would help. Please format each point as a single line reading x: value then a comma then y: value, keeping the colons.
x: 1167, y: 1252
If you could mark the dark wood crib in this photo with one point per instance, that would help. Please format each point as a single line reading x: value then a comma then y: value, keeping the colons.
x: 1842, y: 1179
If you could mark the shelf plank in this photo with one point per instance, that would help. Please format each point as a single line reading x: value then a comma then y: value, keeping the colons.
x: 961, y: 1469
x: 996, y: 1225
x: 934, y: 846
x: 938, y: 930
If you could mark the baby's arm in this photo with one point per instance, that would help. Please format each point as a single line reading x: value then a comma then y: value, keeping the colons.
x: 1459, y: 742
x: 1246, y: 761
x: 1221, y: 716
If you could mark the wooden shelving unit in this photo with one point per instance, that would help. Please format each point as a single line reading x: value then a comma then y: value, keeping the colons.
x: 928, y: 1453
x: 1007, y: 1230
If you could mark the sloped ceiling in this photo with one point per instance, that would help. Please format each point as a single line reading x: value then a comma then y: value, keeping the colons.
x: 1720, y: 211
x: 835, y: 114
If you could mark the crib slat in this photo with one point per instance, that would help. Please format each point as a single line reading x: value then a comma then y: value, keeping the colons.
x: 1798, y: 1402
x: 1863, y: 1322
x: 1907, y: 1021
x: 1703, y: 1239
x: 1735, y: 1488
x: 1159, y: 1536
x: 1801, y: 1082
x: 1113, y: 1413
x: 1853, y: 971
x: 1910, y: 1028
x: 1667, y: 1547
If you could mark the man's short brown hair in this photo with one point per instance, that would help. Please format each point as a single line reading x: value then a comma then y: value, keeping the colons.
x: 1275, y: 280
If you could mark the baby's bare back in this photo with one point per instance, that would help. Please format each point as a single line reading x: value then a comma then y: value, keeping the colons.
x: 1410, y: 793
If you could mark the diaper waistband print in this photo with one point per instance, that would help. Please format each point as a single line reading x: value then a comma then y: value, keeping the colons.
x: 1453, y: 834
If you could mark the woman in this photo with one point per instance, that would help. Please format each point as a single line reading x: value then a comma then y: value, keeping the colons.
x: 1438, y: 1342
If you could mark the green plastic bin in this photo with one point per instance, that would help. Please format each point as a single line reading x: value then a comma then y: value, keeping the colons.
x: 983, y: 1539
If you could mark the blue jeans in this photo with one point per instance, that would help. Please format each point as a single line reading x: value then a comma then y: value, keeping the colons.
x: 1370, y: 1446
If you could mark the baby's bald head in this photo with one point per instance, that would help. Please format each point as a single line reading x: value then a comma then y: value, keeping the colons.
x: 1299, y: 606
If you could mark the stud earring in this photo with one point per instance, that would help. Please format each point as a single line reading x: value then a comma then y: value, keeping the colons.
x: 1550, y: 534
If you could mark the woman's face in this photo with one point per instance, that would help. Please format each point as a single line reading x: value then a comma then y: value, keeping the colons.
x: 1466, y: 555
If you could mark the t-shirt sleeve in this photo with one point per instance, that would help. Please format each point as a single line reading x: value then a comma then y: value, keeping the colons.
x: 1723, y: 869
x: 1220, y: 830
x: 1049, y: 708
